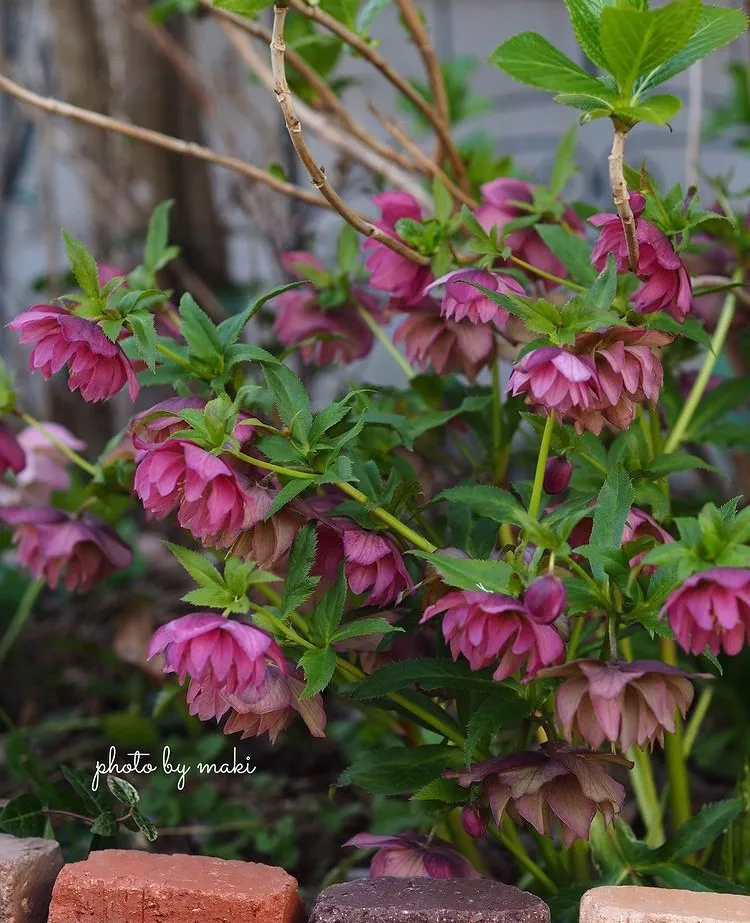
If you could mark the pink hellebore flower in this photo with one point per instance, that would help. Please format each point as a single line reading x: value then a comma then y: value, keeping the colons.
x: 498, y: 208
x: 667, y: 285
x: 625, y: 703
x: 222, y: 657
x: 267, y: 541
x: 558, y: 381
x: 46, y: 467
x: 446, y: 345
x: 462, y: 300
x: 271, y: 708
x: 485, y: 627
x: 12, y: 455
x: 159, y: 423
x: 372, y: 562
x: 413, y: 855
x: 51, y: 542
x: 566, y: 783
x: 96, y: 366
x: 213, y: 499
x: 390, y: 272
x: 711, y: 609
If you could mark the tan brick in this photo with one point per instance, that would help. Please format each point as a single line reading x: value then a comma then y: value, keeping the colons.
x: 28, y: 868
x: 130, y: 886
x: 661, y: 905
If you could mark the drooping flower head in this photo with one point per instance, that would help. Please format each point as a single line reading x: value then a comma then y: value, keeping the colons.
x: 503, y: 201
x: 97, y: 367
x: 12, y: 455
x: 160, y: 422
x: 413, y: 855
x: 625, y: 703
x: 221, y: 656
x: 463, y: 301
x: 267, y: 541
x: 212, y: 497
x: 271, y: 708
x: 557, y: 380
x: 372, y: 562
x: 403, y: 279
x: 46, y: 467
x: 568, y: 784
x: 445, y: 345
x: 51, y: 543
x: 711, y: 609
x: 492, y: 629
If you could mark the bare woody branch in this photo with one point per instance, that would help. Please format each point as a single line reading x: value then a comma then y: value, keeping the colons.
x: 329, y: 99
x: 317, y: 174
x: 317, y: 14
x: 323, y: 127
x: 622, y: 198
x: 147, y: 136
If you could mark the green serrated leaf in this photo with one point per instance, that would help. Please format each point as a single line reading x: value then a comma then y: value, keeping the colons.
x: 573, y: 251
x: 198, y: 566
x: 329, y: 611
x: 470, y: 574
x: 319, y: 666
x: 249, y: 8
x: 299, y: 585
x: 612, y: 508
x: 398, y: 770
x: 199, y: 330
x: 82, y: 265
x: 429, y: 674
x: 157, y: 237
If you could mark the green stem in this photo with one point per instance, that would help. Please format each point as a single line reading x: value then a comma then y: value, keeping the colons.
x: 20, y: 616
x: 674, y: 752
x: 60, y: 446
x: 644, y: 787
x: 499, y: 455
x: 175, y: 357
x: 541, y: 465
x: 580, y: 857
x: 575, y: 638
x: 522, y: 264
x: 419, y: 541
x: 463, y: 842
x: 515, y: 848
x: 277, y: 469
x: 696, y: 720
x: 383, y: 337
x: 709, y: 363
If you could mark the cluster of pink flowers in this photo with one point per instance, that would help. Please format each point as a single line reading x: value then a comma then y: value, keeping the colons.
x: 601, y: 379
x: 711, y: 609
x: 666, y: 282
x: 492, y: 629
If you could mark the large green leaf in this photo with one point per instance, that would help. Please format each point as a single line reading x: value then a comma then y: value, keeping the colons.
x: 585, y: 15
x: 23, y: 817
x: 691, y: 878
x: 612, y: 507
x: 430, y: 674
x: 717, y: 27
x: 244, y: 7
x: 470, y: 574
x: 702, y: 829
x: 658, y: 110
x: 573, y: 251
x: 400, y: 769
x: 531, y: 59
x: 636, y: 42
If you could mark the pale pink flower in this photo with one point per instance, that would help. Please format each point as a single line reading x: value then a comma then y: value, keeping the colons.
x: 271, y: 708
x: 625, y: 703
x: 491, y: 627
x: 46, y: 468
x: 413, y: 855
x: 96, y: 366
x: 565, y: 783
x: 559, y: 381
x: 372, y: 562
x: 221, y: 656
x: 403, y: 279
x: 463, y: 301
x: 51, y: 543
x: 711, y: 609
x: 160, y: 422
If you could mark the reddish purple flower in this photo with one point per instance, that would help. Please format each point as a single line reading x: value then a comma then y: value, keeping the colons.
x: 503, y: 201
x: 12, y: 455
x: 625, y: 703
x: 413, y: 855
x: 487, y: 627
x: 667, y: 285
x: 566, y: 783
x: 50, y: 542
x: 546, y: 598
x: 557, y: 475
x: 160, y: 422
x: 404, y: 280
x: 271, y: 707
x: 213, y: 499
x: 446, y: 345
x: 711, y: 609
x: 462, y: 300
x: 222, y: 657
x: 475, y: 820
x: 96, y: 366
x: 558, y: 381
x: 372, y: 562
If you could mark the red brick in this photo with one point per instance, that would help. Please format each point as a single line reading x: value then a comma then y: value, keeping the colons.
x: 130, y: 886
x: 628, y: 904
x: 28, y: 868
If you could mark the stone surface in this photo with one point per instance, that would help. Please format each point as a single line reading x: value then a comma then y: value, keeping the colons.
x: 130, y: 886
x: 427, y: 900
x: 661, y: 905
x: 28, y: 868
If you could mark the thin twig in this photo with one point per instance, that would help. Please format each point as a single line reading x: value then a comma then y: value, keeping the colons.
x: 317, y: 174
x: 425, y: 160
x: 148, y: 136
x: 317, y: 14
x: 322, y: 127
x: 621, y: 196
x: 330, y: 101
